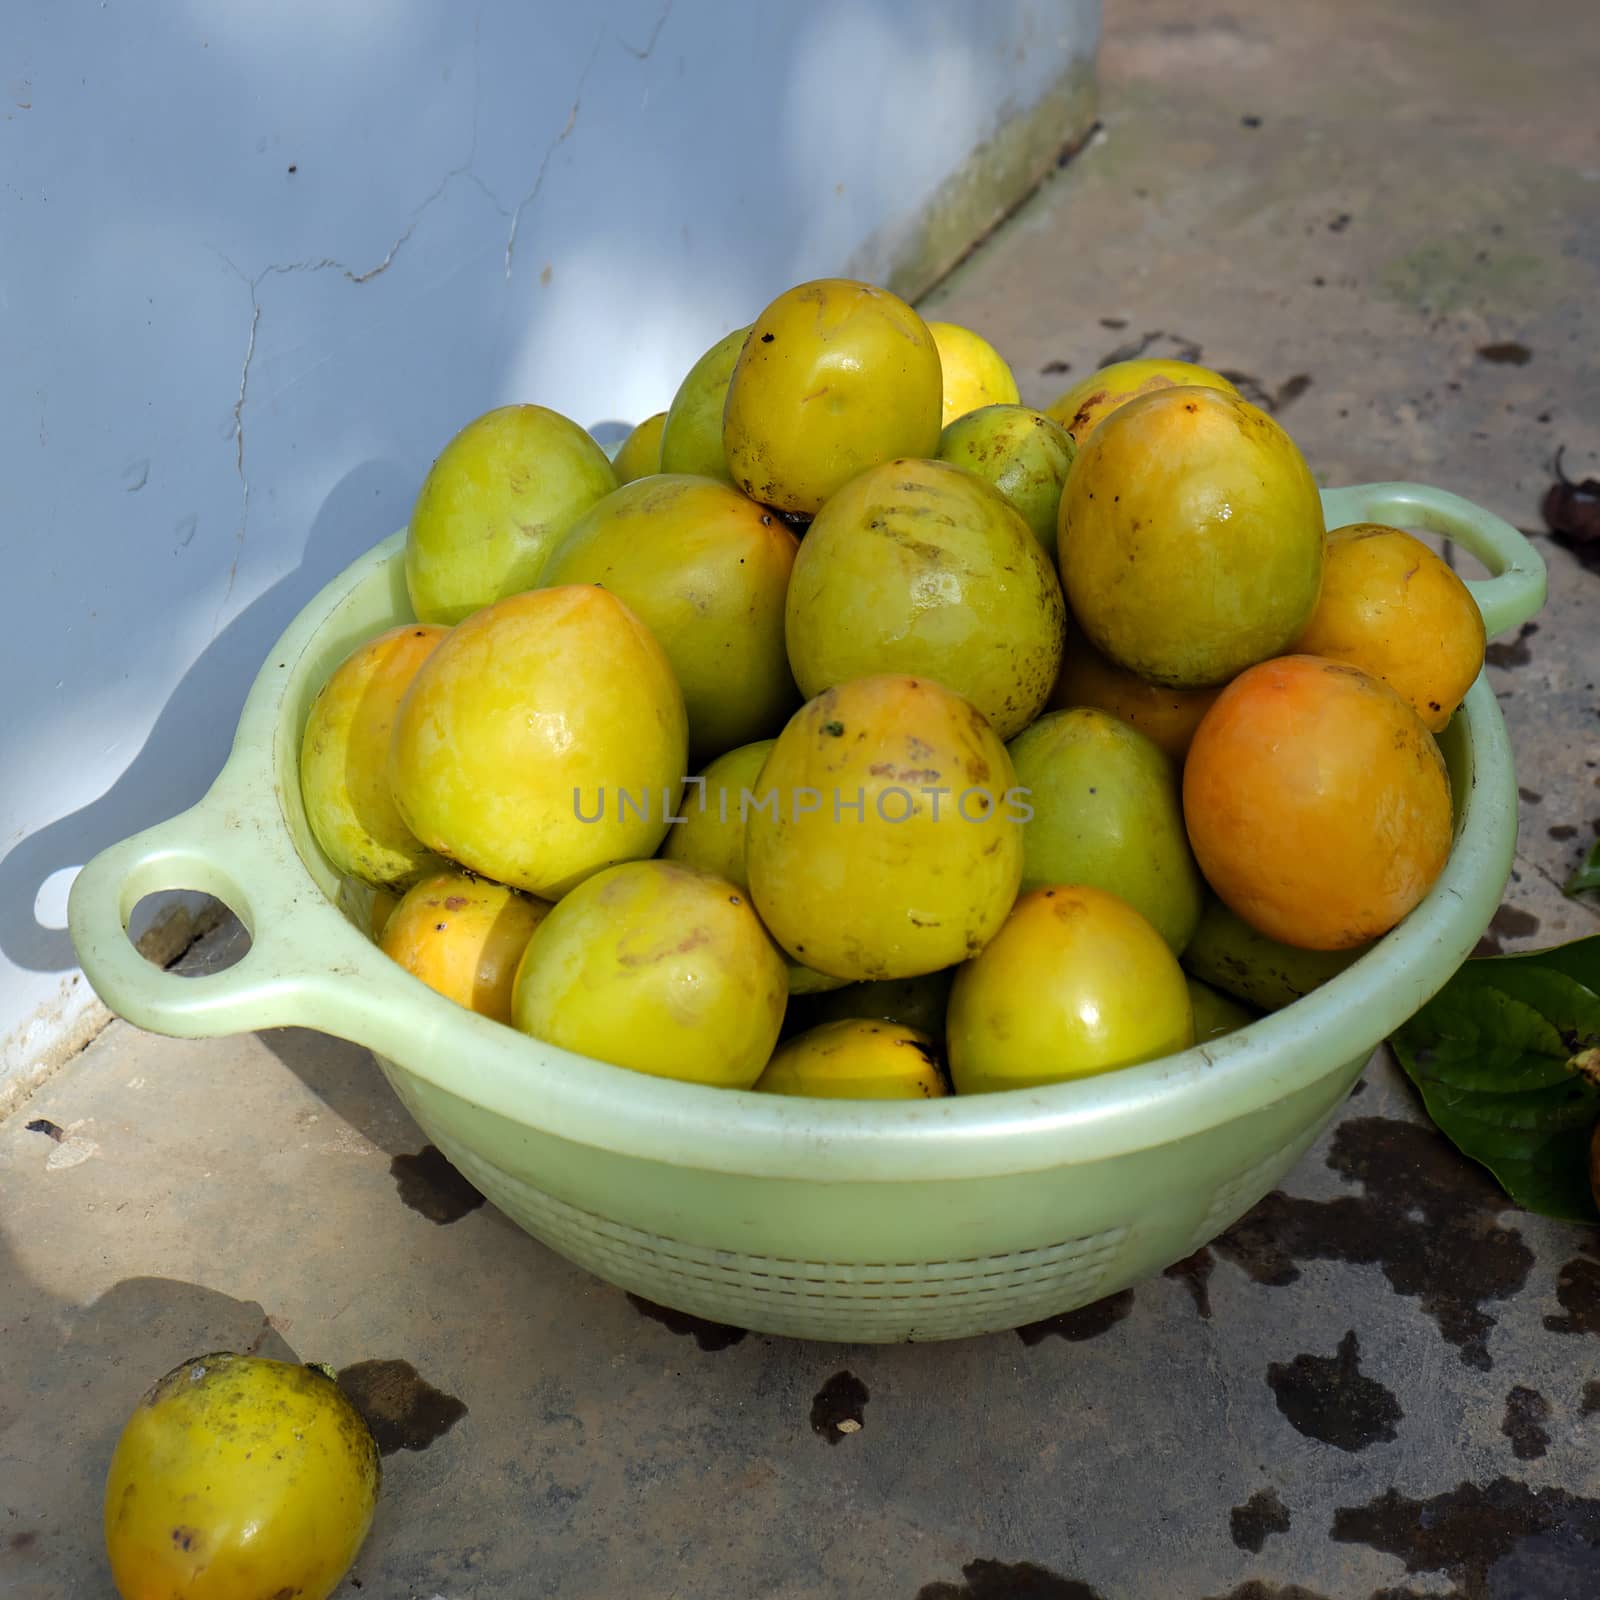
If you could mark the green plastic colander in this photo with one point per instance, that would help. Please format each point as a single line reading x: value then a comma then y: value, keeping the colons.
x: 844, y: 1220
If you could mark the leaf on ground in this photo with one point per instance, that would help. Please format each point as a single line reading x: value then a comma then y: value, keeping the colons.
x: 1586, y: 875
x: 1507, y: 1059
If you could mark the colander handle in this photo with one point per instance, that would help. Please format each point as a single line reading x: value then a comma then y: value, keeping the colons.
x: 1515, y: 593
x: 230, y: 845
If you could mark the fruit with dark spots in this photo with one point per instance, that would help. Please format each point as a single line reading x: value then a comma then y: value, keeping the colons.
x: 463, y: 937
x: 850, y: 378
x: 237, y: 1475
x: 863, y: 877
x: 1317, y: 803
x: 1082, y: 408
x: 691, y: 436
x: 494, y: 505
x: 660, y: 968
x: 706, y: 571
x: 1024, y: 454
x: 856, y: 1058
x: 1075, y: 983
x: 1182, y: 484
x: 1107, y: 812
x: 1390, y: 605
x: 918, y: 567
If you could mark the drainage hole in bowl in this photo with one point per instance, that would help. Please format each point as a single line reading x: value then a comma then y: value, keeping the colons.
x: 188, y: 933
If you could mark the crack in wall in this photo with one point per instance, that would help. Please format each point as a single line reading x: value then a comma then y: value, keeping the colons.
x: 332, y: 264
x: 244, y: 386
x: 559, y: 140
x: 463, y: 170
x: 250, y: 284
x: 655, y: 34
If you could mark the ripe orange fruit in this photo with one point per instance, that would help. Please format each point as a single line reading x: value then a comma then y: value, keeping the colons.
x: 1167, y: 717
x: 1317, y: 803
x: 464, y: 936
x: 1390, y: 605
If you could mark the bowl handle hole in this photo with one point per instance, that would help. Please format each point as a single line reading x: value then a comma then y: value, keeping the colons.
x: 187, y: 932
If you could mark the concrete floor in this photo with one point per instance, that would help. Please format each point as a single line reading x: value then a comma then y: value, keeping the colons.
x: 1382, y: 1384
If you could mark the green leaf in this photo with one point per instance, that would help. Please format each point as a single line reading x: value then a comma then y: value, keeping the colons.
x: 1586, y: 875
x: 1507, y: 1059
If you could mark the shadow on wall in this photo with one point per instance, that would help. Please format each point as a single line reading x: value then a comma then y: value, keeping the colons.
x: 197, y: 723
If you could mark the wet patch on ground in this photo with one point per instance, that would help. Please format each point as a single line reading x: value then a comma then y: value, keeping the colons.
x: 705, y: 1333
x: 432, y: 1187
x: 1261, y: 1516
x: 1426, y: 1218
x: 1578, y: 1290
x: 1505, y: 352
x: 1329, y: 1398
x: 838, y: 1408
x: 1194, y: 1273
x: 1509, y: 922
x: 1527, y: 1412
x: 1000, y: 1580
x: 1087, y: 1322
x: 1512, y: 652
x: 404, y: 1410
x: 1571, y: 511
x: 1494, y: 1541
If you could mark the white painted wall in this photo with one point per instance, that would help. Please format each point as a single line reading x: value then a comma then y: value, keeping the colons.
x: 260, y: 258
